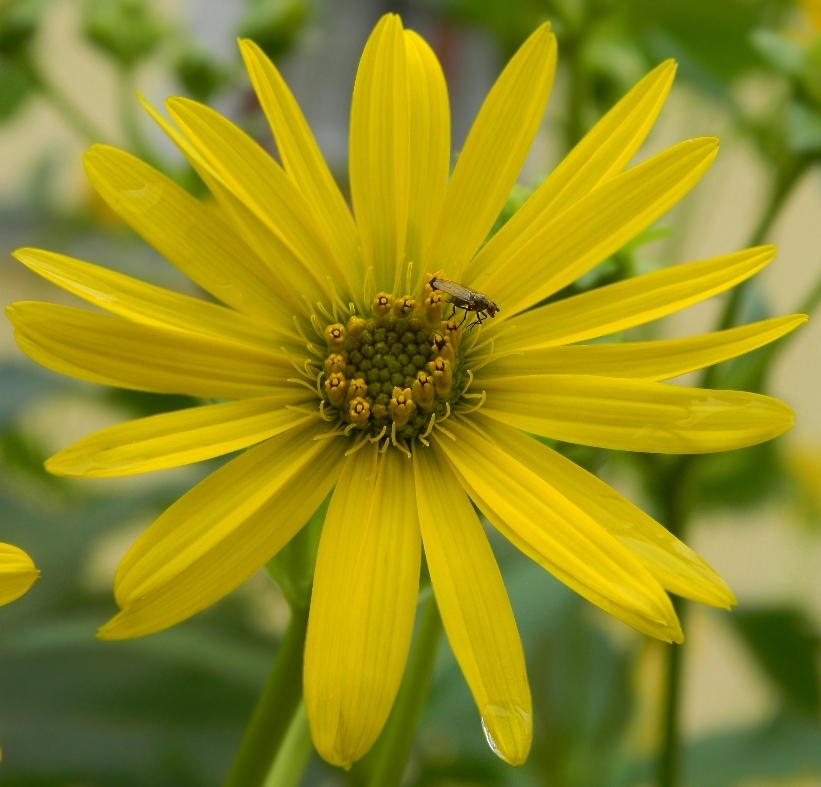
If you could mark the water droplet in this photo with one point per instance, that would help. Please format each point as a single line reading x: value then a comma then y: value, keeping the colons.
x: 517, y: 718
x: 490, y: 742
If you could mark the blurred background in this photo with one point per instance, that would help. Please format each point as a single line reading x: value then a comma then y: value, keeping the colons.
x: 170, y: 709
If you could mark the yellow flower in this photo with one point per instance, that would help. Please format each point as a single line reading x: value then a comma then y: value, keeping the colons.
x: 429, y: 418
x: 17, y: 573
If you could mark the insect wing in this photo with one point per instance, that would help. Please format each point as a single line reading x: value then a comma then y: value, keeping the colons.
x: 453, y: 289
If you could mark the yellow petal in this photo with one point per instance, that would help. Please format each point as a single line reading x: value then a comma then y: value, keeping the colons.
x: 635, y: 301
x: 188, y: 234
x: 604, y: 152
x: 289, y: 280
x: 597, y: 225
x: 378, y: 151
x: 180, y: 437
x: 303, y: 160
x: 559, y: 535
x: 17, y: 573
x: 475, y: 609
x: 146, y: 304
x: 493, y: 153
x: 654, y: 360
x: 429, y: 147
x: 266, y: 190
x: 363, y: 604
x: 635, y: 415
x: 111, y: 351
x: 674, y: 565
x: 222, y: 531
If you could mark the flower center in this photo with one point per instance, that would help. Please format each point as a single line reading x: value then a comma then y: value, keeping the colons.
x: 396, y: 372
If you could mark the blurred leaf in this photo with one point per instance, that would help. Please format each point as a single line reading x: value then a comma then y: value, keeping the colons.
x: 142, y: 403
x: 15, y: 87
x: 803, y: 129
x: 788, y: 648
x: 582, y: 703
x: 787, y: 747
x: 740, y: 478
x: 200, y: 74
x: 713, y: 37
x: 126, y: 30
x: 292, y: 568
x: 811, y: 71
x: 22, y: 383
x: 781, y: 52
x: 273, y: 24
x: 18, y: 24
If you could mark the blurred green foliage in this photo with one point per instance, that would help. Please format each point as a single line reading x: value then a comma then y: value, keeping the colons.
x: 170, y: 709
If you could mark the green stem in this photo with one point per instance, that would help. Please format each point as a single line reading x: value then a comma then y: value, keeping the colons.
x: 293, y: 755
x: 397, y: 737
x: 786, y: 180
x: 79, y: 122
x: 577, y: 92
x: 275, y: 709
x: 672, y: 497
x: 669, y: 765
x: 130, y: 120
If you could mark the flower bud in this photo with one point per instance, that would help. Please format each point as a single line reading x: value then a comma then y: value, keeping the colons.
x: 442, y: 375
x: 335, y: 363
x: 404, y: 306
x: 382, y: 304
x: 434, y: 306
x: 441, y: 348
x: 334, y: 336
x: 402, y: 406
x: 424, y: 391
x: 357, y: 388
x: 335, y: 387
x: 359, y: 411
x: 453, y: 330
x: 355, y: 326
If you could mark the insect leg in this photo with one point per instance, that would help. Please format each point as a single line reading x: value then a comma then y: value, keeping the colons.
x: 463, y: 318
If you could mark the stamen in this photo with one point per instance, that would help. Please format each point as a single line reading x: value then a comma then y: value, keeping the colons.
x: 377, y: 438
x: 469, y: 373
x: 482, y: 397
x: 326, y: 313
x: 301, y: 369
x: 310, y: 387
x: 357, y: 445
x: 313, y: 413
x: 446, y: 432
x: 469, y: 422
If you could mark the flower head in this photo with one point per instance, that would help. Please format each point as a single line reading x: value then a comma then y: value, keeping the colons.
x: 347, y: 371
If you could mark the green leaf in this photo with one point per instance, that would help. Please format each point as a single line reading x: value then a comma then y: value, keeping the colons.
x: 18, y: 24
x: 15, y: 87
x: 126, y: 30
x: 803, y: 129
x: 200, y: 75
x: 781, y: 52
x: 274, y: 24
x: 788, y: 648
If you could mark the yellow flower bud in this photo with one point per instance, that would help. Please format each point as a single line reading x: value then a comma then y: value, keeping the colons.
x: 404, y: 306
x: 335, y: 363
x: 434, y: 306
x: 453, y: 330
x: 355, y: 326
x: 442, y: 348
x: 442, y: 375
x: 335, y: 387
x: 382, y: 304
x: 423, y: 390
x: 402, y: 406
x: 359, y: 411
x: 357, y: 388
x: 334, y: 336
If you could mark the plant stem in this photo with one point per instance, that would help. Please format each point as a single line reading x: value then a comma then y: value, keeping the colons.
x: 274, y: 710
x: 397, y: 737
x: 672, y: 502
x: 293, y: 755
x: 76, y: 119
x: 786, y: 180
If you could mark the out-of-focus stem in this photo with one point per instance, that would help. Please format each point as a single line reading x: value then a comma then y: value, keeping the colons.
x: 397, y: 738
x: 274, y: 710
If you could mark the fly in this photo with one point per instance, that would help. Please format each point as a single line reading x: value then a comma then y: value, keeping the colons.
x: 466, y: 299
